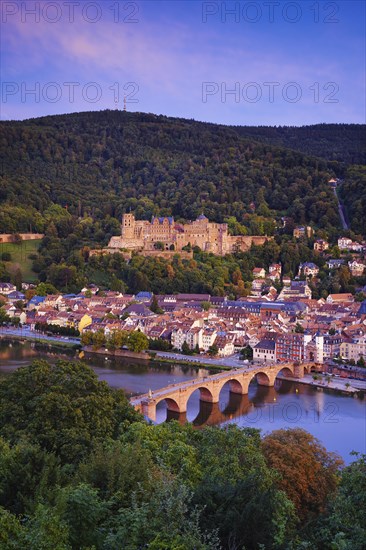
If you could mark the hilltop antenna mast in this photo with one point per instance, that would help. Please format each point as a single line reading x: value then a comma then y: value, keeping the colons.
x: 116, y: 103
x: 124, y: 104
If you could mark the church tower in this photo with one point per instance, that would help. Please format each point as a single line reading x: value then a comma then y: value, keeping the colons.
x: 128, y: 226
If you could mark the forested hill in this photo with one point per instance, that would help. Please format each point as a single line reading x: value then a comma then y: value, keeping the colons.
x: 345, y: 143
x: 103, y: 163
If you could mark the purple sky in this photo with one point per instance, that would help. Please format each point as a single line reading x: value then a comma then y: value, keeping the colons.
x: 287, y: 63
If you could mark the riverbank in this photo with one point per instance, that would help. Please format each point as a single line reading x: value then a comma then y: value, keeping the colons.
x: 222, y: 363
x: 51, y: 343
x: 196, y: 362
x: 339, y: 384
x: 193, y: 364
x: 89, y: 351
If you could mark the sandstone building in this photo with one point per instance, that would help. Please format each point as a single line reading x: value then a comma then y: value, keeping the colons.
x: 164, y: 234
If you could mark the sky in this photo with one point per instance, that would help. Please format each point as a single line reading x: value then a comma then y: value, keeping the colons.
x: 267, y: 62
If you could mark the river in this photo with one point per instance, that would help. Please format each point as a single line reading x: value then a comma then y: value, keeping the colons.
x: 338, y: 421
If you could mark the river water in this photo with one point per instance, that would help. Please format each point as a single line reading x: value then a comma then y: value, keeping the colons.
x: 338, y: 421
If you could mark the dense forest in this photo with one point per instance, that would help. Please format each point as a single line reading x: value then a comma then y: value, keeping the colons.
x: 104, y: 163
x: 81, y: 470
x: 353, y: 195
x: 344, y: 143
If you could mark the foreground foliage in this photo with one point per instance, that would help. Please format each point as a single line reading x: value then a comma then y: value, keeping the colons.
x: 79, y: 469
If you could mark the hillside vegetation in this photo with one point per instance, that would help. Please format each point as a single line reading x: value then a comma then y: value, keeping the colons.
x: 103, y: 163
x: 21, y: 257
x: 344, y: 143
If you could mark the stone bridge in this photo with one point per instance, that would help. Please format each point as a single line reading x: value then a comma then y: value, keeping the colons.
x: 177, y: 395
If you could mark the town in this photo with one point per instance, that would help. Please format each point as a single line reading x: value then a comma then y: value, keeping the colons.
x: 283, y: 324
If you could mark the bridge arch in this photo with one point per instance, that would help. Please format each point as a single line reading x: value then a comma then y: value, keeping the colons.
x: 262, y: 378
x: 285, y: 371
x: 171, y: 406
x: 235, y: 386
x: 205, y: 395
x: 199, y: 401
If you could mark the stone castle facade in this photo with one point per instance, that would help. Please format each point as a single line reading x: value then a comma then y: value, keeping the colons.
x: 164, y: 234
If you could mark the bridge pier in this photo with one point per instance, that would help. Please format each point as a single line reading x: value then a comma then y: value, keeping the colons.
x: 180, y: 417
x: 148, y: 408
x: 299, y: 370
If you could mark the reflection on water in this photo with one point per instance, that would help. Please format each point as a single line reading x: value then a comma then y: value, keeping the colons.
x: 338, y: 421
x: 261, y: 401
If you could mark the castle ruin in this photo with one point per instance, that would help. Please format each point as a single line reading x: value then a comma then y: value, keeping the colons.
x: 166, y: 235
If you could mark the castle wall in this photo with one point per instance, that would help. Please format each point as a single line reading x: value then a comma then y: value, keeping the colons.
x: 9, y: 237
x: 243, y: 243
x: 208, y: 236
x: 167, y: 254
x: 122, y: 242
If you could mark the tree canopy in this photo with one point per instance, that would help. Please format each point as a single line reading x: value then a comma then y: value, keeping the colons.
x: 80, y: 470
x: 62, y: 407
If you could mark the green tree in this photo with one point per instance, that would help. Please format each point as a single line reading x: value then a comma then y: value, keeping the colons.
x: 251, y: 513
x: 246, y: 353
x: 4, y: 317
x: 86, y: 338
x: 343, y: 527
x: 205, y: 305
x: 348, y: 516
x: 82, y: 511
x: 164, y: 521
x: 117, y: 339
x: 17, y: 279
x: 62, y: 407
x: 213, y: 350
x: 15, y: 321
x: 186, y: 349
x: 43, y: 289
x: 46, y: 530
x: 11, y: 531
x: 137, y: 341
x: 154, y: 306
x: 117, y: 285
x: 299, y: 328
x: 99, y: 339
x: 28, y: 473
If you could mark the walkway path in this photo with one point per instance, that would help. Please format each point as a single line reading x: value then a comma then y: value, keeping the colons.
x: 341, y: 211
x: 28, y: 334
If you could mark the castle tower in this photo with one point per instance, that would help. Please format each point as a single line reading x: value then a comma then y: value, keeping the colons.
x: 128, y: 226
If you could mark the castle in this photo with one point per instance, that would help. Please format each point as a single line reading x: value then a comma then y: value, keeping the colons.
x: 165, y: 235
